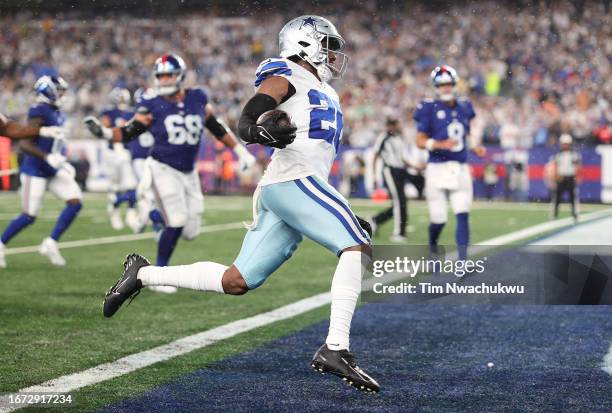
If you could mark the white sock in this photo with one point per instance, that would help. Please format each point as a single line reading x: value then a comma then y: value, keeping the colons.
x: 203, y: 276
x: 345, y: 289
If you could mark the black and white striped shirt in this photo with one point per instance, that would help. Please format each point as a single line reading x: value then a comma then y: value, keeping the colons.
x: 567, y: 163
x: 391, y: 149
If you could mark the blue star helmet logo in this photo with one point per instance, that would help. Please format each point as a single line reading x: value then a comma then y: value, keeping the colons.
x: 309, y: 21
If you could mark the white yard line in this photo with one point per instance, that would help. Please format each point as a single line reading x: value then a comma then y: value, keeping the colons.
x: 118, y: 238
x: 128, y: 364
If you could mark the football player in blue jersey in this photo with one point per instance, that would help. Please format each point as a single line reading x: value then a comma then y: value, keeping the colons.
x: 44, y: 166
x: 123, y: 180
x: 176, y: 117
x: 297, y: 112
x: 443, y: 128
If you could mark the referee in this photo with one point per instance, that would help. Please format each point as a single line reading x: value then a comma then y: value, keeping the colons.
x: 566, y: 168
x: 391, y: 148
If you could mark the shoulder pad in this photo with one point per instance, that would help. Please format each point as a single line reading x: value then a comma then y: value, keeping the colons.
x: 272, y: 67
x: 149, y: 94
x: 199, y: 91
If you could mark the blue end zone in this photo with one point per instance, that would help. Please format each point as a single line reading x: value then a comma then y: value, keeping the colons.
x: 426, y: 357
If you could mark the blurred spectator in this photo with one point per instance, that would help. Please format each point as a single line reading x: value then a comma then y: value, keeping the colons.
x: 533, y: 69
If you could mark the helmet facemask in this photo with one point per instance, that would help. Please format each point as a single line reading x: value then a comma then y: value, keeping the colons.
x: 332, y: 61
x: 166, y: 89
x: 448, y: 96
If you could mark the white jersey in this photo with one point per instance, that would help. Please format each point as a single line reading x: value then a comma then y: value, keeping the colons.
x: 315, y: 111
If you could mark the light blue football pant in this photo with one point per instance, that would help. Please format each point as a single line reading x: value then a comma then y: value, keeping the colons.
x: 285, y: 212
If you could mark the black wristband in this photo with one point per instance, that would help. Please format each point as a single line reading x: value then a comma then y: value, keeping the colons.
x: 247, y: 125
x: 132, y: 129
x: 213, y: 125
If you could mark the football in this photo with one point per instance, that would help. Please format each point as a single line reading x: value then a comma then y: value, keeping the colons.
x: 276, y: 116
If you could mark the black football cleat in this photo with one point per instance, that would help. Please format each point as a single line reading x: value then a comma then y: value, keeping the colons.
x: 342, y: 364
x: 128, y: 285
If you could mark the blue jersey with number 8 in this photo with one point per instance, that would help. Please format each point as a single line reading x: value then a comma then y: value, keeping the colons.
x: 177, y: 127
x: 441, y: 121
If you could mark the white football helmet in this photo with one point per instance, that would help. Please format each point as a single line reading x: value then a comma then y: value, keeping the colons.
x: 313, y: 39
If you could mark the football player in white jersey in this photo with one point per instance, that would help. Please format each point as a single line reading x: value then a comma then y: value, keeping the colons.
x: 293, y: 198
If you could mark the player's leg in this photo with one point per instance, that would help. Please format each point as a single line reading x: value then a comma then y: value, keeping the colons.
x: 573, y: 191
x: 63, y: 186
x: 558, y: 195
x: 169, y: 192
x: 401, y: 176
x: 394, y: 190
x: 32, y: 192
x: 419, y: 183
x: 127, y: 185
x: 461, y: 203
x: 265, y: 247
x: 114, y: 201
x: 392, y: 211
x: 195, y: 206
x: 314, y: 208
x: 437, y: 206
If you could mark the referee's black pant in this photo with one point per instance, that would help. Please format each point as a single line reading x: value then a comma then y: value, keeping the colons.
x: 395, y: 181
x: 566, y: 184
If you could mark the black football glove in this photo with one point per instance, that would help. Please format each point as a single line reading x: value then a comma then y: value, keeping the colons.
x: 269, y: 133
x: 96, y: 128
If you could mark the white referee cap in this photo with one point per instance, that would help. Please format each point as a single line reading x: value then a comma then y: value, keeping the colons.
x: 565, y: 139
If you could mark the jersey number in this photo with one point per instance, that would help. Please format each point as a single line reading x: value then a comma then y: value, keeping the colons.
x: 183, y: 129
x: 456, y: 131
x: 325, y: 119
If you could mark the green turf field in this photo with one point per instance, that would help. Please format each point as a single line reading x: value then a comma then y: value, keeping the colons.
x: 51, y: 321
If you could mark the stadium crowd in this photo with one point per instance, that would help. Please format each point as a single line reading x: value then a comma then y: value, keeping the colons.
x: 532, y: 72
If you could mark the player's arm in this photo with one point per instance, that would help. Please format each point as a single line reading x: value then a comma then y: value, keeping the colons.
x: 106, y: 121
x: 271, y: 92
x: 17, y: 131
x: 476, y: 147
x: 225, y: 135
x: 134, y: 127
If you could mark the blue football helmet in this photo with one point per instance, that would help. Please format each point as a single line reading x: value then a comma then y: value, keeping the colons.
x: 50, y: 89
x: 444, y: 75
x: 169, y: 64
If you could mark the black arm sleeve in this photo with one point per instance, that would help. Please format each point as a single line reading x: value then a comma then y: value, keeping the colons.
x: 213, y: 125
x: 247, y: 125
x: 132, y: 129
